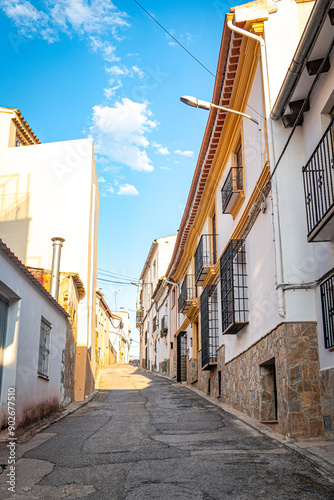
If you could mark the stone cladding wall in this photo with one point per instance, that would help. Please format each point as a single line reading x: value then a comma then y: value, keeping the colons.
x: 247, y: 382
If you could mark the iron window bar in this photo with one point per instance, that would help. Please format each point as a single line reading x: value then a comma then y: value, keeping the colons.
x: 234, y: 288
x: 318, y: 177
x: 209, y: 326
x: 181, y: 357
x: 205, y: 256
x: 327, y: 303
x: 187, y: 293
x: 233, y: 185
x: 44, y: 348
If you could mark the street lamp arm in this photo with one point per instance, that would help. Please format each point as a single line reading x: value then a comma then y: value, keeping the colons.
x: 198, y: 103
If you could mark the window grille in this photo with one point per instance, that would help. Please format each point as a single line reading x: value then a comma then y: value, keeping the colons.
x: 154, y: 324
x: 209, y: 326
x: 234, y: 289
x: 44, y: 348
x: 181, y: 357
x: 318, y: 176
x: 327, y: 302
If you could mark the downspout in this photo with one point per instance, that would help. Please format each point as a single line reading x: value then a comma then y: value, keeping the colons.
x: 57, y: 244
x: 316, y: 20
x: 276, y: 223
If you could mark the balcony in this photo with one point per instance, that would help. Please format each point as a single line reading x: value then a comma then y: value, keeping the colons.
x: 318, y: 175
x: 205, y: 256
x: 231, y: 189
x: 209, y: 327
x: 234, y: 288
x: 164, y: 325
x: 139, y: 316
x: 188, y: 293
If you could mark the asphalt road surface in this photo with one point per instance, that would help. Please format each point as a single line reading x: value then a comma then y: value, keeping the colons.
x: 145, y: 437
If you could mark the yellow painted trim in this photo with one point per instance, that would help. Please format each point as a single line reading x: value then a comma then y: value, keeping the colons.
x: 237, y: 204
x: 247, y: 66
x: 193, y: 310
x: 183, y: 327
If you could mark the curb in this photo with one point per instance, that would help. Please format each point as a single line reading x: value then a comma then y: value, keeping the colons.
x: 324, y: 466
x: 36, y: 428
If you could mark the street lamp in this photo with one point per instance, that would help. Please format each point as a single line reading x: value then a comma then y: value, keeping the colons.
x: 197, y: 103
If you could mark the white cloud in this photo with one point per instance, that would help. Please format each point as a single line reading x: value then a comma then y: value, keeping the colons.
x: 188, y: 154
x: 105, y: 48
x: 64, y: 16
x: 163, y: 151
x: 120, y: 133
x: 101, y: 179
x: 128, y: 190
x: 138, y: 71
x: 166, y: 168
x: 117, y: 70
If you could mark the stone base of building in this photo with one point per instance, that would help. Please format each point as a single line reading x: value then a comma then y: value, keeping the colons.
x: 164, y: 368
x: 276, y: 381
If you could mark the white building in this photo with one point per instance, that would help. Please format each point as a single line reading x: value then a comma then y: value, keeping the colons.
x: 153, y: 271
x: 34, y: 331
x: 49, y: 190
x: 119, y: 335
x: 249, y: 323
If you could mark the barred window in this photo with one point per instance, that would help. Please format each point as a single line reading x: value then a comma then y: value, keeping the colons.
x: 327, y: 302
x: 44, y: 348
x: 209, y: 326
x: 234, y: 289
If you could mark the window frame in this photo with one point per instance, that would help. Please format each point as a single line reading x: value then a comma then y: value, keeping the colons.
x: 43, y: 366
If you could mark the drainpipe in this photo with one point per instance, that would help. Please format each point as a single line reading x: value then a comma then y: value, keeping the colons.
x: 57, y: 243
x: 276, y: 223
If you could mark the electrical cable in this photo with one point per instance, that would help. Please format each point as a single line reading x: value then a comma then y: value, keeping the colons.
x: 195, y: 58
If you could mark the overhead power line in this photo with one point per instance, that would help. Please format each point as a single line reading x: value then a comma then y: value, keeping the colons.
x: 194, y: 57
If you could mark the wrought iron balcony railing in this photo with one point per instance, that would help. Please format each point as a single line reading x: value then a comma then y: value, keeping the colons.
x: 318, y: 176
x: 139, y: 316
x: 234, y: 288
x: 205, y: 256
x: 231, y: 189
x: 187, y: 294
x: 209, y: 326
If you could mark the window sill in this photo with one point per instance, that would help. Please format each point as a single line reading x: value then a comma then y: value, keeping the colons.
x: 268, y: 421
x: 44, y: 377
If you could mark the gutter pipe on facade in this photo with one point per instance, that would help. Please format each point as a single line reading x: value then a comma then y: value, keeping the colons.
x: 276, y: 222
x: 316, y: 20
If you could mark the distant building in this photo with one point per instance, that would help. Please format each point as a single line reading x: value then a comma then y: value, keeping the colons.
x: 49, y: 190
x: 119, y: 335
x: 150, y: 308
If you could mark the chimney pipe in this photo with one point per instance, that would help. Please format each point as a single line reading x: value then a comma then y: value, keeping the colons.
x: 57, y: 243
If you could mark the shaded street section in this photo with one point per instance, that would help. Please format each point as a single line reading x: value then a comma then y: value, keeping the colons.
x: 145, y: 437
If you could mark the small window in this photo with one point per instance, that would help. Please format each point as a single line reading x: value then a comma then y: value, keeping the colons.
x: 44, y: 348
x: 171, y: 345
x: 17, y: 143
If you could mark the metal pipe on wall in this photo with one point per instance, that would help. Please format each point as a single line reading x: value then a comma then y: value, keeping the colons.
x: 57, y: 244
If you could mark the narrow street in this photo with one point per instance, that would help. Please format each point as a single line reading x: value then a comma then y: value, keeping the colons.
x: 145, y: 437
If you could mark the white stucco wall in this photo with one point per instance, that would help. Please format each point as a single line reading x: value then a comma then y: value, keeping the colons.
x: 60, y: 182
x: 22, y: 344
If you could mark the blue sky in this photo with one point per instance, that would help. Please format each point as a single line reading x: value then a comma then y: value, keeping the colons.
x: 78, y: 68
